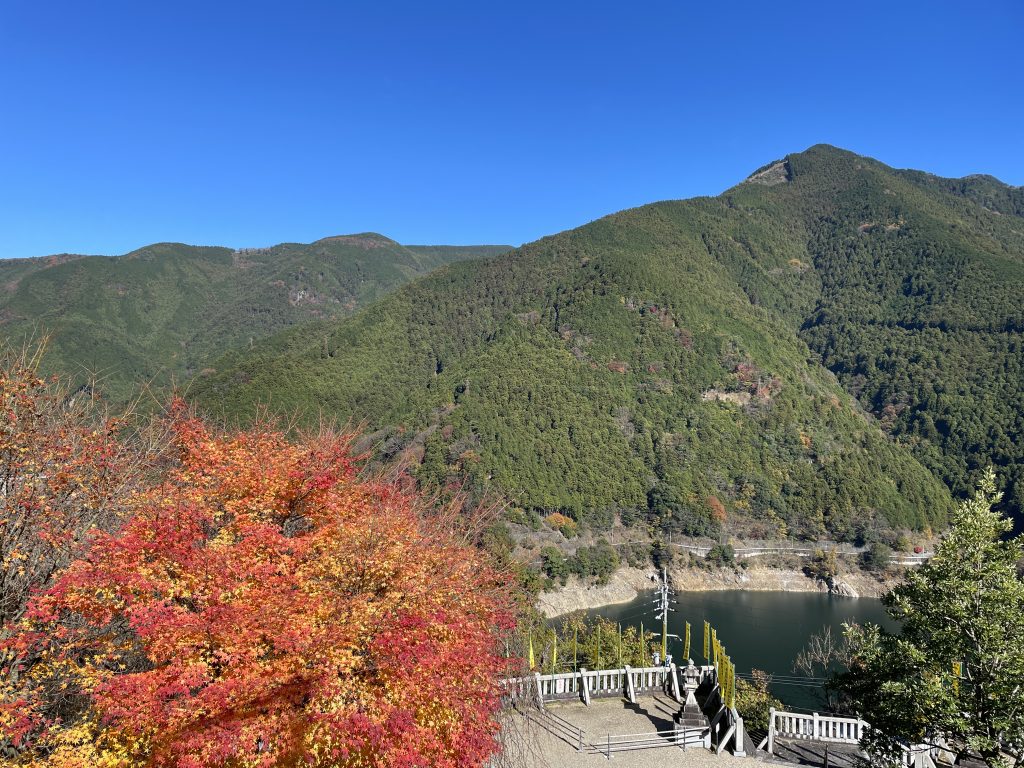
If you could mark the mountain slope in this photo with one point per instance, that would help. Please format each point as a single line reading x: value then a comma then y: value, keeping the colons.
x: 921, y: 314
x: 166, y: 309
x: 667, y: 358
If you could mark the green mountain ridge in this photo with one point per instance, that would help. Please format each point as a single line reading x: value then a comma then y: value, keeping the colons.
x: 817, y: 350
x: 163, y: 311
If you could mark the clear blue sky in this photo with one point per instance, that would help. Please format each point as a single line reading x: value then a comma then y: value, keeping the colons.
x: 246, y: 124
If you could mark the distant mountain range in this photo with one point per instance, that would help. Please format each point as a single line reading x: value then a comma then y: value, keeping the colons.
x: 820, y: 350
x: 163, y: 311
x: 831, y: 348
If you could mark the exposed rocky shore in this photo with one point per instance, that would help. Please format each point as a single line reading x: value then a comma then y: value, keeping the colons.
x: 623, y: 586
x: 626, y: 583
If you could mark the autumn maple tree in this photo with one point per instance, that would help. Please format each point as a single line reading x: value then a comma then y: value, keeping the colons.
x: 64, y: 473
x: 261, y: 605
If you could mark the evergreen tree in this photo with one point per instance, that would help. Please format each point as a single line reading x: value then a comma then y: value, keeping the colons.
x: 957, y: 669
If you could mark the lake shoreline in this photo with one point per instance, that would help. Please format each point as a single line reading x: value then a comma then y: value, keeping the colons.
x: 627, y: 583
x: 763, y: 630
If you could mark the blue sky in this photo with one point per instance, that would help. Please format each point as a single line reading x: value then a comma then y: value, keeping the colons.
x: 247, y: 124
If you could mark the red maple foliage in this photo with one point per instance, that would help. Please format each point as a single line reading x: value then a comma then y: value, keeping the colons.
x: 717, y: 508
x: 63, y: 475
x: 265, y: 606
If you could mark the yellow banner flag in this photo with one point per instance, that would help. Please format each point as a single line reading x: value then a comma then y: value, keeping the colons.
x: 686, y: 644
x: 707, y: 641
x: 725, y: 682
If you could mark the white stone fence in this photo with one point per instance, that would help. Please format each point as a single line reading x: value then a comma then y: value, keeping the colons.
x: 726, y: 726
x: 836, y: 730
x: 598, y: 683
x: 815, y: 727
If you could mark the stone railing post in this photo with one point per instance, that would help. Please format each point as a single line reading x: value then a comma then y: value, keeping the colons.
x: 816, y: 728
x: 771, y: 731
x: 673, y: 670
x: 630, y: 688
x: 584, y: 690
x: 540, y: 691
x: 738, y: 743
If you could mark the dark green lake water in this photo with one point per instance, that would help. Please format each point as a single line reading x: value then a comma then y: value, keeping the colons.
x: 760, y: 630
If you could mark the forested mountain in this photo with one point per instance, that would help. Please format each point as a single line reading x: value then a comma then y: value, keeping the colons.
x: 817, y: 350
x: 164, y: 310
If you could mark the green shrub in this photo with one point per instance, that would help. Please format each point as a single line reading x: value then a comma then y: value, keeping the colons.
x: 753, y: 700
x: 721, y: 555
x: 823, y: 565
x: 555, y: 564
x: 877, y: 557
x: 597, y: 562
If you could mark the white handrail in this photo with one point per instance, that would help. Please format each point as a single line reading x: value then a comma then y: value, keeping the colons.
x: 830, y: 728
x: 838, y: 730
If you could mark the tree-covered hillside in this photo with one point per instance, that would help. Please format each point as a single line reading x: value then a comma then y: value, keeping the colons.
x: 818, y: 350
x: 164, y: 310
x: 920, y: 310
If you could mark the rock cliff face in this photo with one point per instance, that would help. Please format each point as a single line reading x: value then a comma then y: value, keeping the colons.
x: 837, y: 586
x: 624, y: 586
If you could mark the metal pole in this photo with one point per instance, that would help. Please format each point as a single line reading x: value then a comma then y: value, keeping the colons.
x: 664, y: 615
x: 620, y: 644
x: 643, y: 646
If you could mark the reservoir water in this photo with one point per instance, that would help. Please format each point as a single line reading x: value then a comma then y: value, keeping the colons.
x: 760, y: 630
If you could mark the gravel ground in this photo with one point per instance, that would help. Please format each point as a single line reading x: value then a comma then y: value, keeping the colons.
x: 813, y: 753
x: 536, y: 742
x: 534, y: 747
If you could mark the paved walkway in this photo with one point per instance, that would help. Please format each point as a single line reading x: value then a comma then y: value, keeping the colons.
x: 537, y: 747
x: 539, y: 742
x: 801, y: 752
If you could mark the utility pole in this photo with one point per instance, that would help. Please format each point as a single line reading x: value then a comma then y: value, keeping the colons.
x: 662, y: 603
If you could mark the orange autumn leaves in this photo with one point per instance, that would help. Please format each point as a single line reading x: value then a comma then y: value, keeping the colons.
x: 263, y: 606
x: 63, y: 474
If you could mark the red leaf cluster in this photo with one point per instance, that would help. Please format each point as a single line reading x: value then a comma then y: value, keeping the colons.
x: 717, y: 509
x: 263, y: 606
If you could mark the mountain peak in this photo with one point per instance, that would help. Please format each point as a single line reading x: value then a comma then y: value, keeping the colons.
x: 366, y: 240
x: 172, y: 250
x: 795, y: 164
